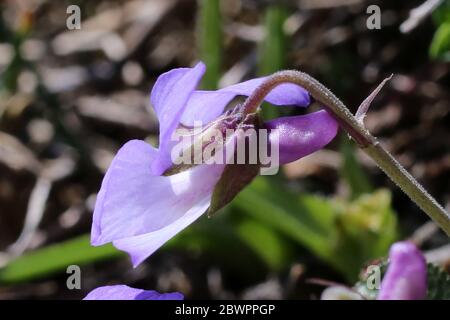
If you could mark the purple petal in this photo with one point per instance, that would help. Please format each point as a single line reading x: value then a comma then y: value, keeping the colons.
x: 169, y: 98
x: 205, y: 106
x: 122, y: 292
x: 142, y: 246
x: 175, y: 100
x: 302, y: 135
x: 406, y: 276
x: 133, y: 201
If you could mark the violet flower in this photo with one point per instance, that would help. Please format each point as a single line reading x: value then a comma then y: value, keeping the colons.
x: 406, y: 276
x: 140, y: 206
x: 122, y: 292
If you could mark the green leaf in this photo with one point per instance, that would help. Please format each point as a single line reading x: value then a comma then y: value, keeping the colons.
x: 351, y: 170
x: 264, y: 202
x: 272, y: 51
x: 272, y: 249
x: 366, y: 228
x: 273, y: 48
x: 55, y: 258
x: 210, y: 40
x: 442, y: 13
x: 440, y: 44
x: 221, y: 239
x: 215, y: 237
x: 342, y: 233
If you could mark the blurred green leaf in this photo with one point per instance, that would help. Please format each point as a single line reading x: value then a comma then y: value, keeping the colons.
x: 442, y: 13
x: 273, y: 48
x: 271, y: 248
x: 210, y: 41
x: 344, y: 233
x: 275, y: 208
x: 366, y: 227
x: 55, y: 258
x: 440, y: 44
x: 272, y: 51
x: 351, y: 170
x: 217, y: 238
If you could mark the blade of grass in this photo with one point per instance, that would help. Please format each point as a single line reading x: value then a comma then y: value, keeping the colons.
x: 351, y: 170
x: 272, y: 51
x: 56, y: 258
x: 274, y: 250
x: 217, y: 238
x: 273, y: 48
x: 262, y: 202
x: 210, y: 41
x: 343, y: 233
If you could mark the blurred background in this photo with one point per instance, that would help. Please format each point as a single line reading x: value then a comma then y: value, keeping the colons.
x: 70, y: 98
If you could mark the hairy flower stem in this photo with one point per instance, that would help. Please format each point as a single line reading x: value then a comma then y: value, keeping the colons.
x: 359, y: 133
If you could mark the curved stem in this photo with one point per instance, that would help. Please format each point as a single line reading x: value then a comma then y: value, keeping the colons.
x: 359, y: 133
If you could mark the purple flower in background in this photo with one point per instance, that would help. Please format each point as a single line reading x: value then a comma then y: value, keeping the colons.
x: 140, y: 206
x: 122, y: 292
x: 406, y: 276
